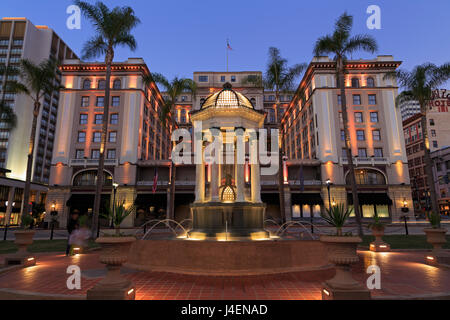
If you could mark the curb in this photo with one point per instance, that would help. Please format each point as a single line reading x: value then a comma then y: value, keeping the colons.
x: 11, y: 294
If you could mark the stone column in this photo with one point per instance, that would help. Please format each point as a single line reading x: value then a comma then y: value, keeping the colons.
x: 240, y: 182
x: 200, y: 181
x: 256, y: 183
x: 215, y: 182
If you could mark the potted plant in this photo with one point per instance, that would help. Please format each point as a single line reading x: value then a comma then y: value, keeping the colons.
x: 341, y: 250
x: 377, y: 227
x: 114, y: 253
x: 24, y: 238
x: 435, y: 234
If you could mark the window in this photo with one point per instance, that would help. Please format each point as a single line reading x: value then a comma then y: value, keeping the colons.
x: 431, y: 122
x: 115, y: 101
x: 97, y: 137
x: 79, y: 154
x: 100, y: 102
x: 183, y: 98
x: 86, y: 84
x: 376, y: 135
x: 98, y: 118
x: 89, y: 178
x: 339, y: 100
x: 81, y: 136
x: 112, y: 137
x: 111, y: 154
x: 374, y: 117
x: 233, y: 78
x: 360, y: 135
x: 362, y: 153
x: 357, y: 99
x: 117, y: 84
x: 355, y: 83
x: 433, y: 133
x: 368, y: 177
x: 370, y: 82
x: 342, y: 135
x: 83, y: 118
x: 114, y: 119
x: 359, y: 117
x: 102, y: 85
x: 203, y: 79
x: 435, y: 144
x: 372, y: 99
x: 378, y: 153
x: 95, y: 154
x: 222, y: 78
x: 85, y: 102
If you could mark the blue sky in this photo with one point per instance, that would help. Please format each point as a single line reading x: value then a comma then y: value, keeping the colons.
x: 177, y: 38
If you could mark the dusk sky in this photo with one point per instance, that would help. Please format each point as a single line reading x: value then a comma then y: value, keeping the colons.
x: 177, y: 38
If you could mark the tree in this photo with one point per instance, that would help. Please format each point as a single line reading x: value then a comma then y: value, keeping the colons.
x: 341, y: 44
x: 279, y: 77
x: 112, y: 29
x: 36, y: 81
x: 173, y: 90
x: 419, y: 85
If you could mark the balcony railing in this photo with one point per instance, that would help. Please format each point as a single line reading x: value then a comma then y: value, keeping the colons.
x: 92, y: 162
x: 365, y: 161
x: 292, y: 182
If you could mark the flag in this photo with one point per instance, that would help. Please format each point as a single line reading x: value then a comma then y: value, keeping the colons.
x: 155, y: 181
x: 228, y: 45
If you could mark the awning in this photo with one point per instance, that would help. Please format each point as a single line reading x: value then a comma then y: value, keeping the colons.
x: 371, y: 199
x: 306, y: 198
x: 151, y: 200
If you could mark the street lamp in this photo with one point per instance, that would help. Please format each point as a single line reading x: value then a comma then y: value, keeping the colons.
x: 53, y: 214
x: 328, y: 182
x: 115, y: 185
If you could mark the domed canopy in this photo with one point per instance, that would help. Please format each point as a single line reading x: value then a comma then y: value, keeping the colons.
x: 227, y: 98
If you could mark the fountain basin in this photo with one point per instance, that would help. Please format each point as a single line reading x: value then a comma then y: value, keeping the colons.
x: 230, y: 258
x: 237, y: 220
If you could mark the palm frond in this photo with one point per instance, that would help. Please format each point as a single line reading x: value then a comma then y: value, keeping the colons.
x: 94, y: 47
x: 361, y: 42
x: 324, y: 46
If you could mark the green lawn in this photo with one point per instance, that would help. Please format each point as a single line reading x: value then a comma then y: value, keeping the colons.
x: 39, y: 246
x: 405, y: 242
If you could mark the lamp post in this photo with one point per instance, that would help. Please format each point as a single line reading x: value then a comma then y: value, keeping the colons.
x: 328, y: 182
x: 54, y: 214
x: 405, y: 217
x: 115, y: 185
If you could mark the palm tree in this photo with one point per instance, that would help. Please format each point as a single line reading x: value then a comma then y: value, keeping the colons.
x: 7, y: 113
x: 36, y: 81
x: 341, y: 44
x: 173, y: 90
x: 279, y: 77
x: 419, y: 85
x: 113, y: 29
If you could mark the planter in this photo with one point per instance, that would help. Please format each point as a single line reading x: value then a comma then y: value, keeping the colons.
x: 342, y: 253
x: 114, y: 253
x: 437, y: 238
x: 379, y: 245
x: 22, y: 257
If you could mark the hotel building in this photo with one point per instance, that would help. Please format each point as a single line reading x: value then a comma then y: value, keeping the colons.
x: 441, y: 173
x: 438, y: 118
x: 314, y: 137
x: 20, y: 39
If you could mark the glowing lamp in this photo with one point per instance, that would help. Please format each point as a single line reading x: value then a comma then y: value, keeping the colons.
x: 326, y: 292
x: 30, y: 259
x: 430, y: 258
x: 130, y: 291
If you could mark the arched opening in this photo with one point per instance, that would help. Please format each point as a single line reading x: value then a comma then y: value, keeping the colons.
x: 355, y: 83
x: 368, y: 177
x: 86, y: 84
x: 370, y: 82
x: 89, y: 178
x: 117, y: 84
x: 101, y: 84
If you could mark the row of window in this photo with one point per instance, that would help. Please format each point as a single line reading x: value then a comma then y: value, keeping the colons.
x: 100, y: 101
x: 361, y: 135
x: 97, y: 137
x: 98, y: 118
x: 101, y: 84
x: 370, y: 82
x: 362, y: 153
x: 95, y: 154
x: 372, y: 99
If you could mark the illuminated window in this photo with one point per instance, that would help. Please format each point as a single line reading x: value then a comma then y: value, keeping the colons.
x: 228, y: 195
x: 355, y: 83
x: 85, y: 102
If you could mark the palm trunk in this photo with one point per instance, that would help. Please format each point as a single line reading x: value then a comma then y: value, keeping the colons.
x: 26, y: 191
x: 280, y: 162
x: 173, y: 175
x: 428, y: 161
x: 348, y: 146
x: 101, y: 163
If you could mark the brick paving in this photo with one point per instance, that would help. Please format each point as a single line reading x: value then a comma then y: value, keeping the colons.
x: 403, y: 275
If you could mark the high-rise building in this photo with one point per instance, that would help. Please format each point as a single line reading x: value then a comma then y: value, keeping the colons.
x: 20, y: 39
x: 408, y: 108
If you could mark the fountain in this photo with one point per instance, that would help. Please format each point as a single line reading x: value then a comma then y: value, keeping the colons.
x: 228, y: 236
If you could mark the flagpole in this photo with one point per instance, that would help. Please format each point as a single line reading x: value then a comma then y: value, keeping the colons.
x: 227, y: 53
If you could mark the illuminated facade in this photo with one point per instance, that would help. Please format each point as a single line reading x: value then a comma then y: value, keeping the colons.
x: 135, y: 133
x: 314, y: 133
x: 20, y: 39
